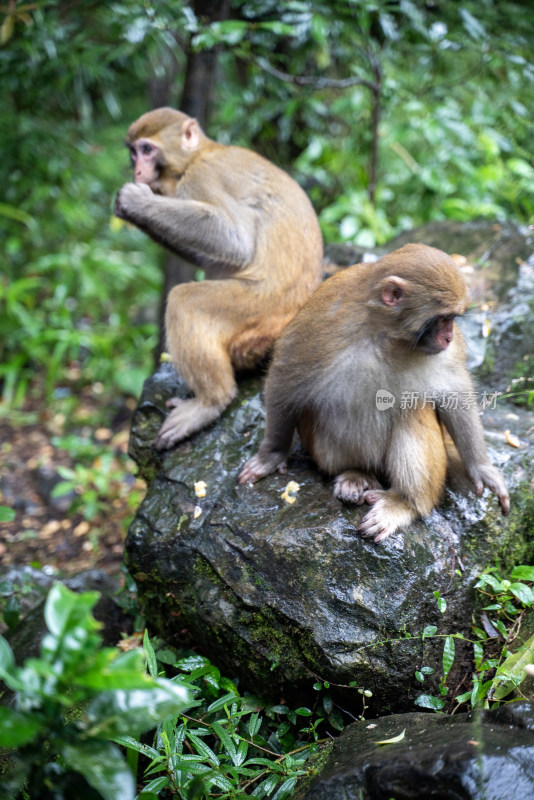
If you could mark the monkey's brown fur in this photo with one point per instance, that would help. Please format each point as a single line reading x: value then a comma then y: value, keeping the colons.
x: 377, y: 326
x: 248, y: 225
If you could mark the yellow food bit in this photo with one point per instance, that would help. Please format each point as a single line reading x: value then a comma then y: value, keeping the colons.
x: 512, y: 440
x: 200, y: 488
x: 197, y: 512
x: 289, y: 493
x: 165, y: 357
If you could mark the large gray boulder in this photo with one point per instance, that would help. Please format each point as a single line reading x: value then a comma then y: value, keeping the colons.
x: 284, y: 593
x: 485, y: 755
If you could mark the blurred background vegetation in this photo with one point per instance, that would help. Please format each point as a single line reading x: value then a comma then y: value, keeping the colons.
x: 390, y: 114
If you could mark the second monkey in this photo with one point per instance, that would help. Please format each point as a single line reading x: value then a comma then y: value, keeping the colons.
x: 379, y: 330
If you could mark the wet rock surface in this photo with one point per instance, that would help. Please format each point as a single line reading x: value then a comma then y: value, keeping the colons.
x: 284, y: 593
x: 487, y: 755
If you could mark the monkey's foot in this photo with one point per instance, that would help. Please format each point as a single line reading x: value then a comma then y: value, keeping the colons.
x: 351, y: 486
x: 388, y: 513
x: 258, y: 467
x: 187, y: 417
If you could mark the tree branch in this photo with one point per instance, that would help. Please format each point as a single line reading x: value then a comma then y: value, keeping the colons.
x: 316, y: 83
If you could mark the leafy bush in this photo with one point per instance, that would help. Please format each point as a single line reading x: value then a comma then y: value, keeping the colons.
x: 70, y: 702
x: 229, y: 746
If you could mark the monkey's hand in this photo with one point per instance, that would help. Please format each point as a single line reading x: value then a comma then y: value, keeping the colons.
x: 350, y: 486
x: 486, y: 475
x: 259, y: 466
x: 130, y: 198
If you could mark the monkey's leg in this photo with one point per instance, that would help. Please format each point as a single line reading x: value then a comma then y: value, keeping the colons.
x: 200, y: 322
x: 416, y: 464
x: 351, y: 486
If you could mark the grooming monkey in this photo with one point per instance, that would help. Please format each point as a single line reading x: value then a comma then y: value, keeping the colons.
x: 246, y: 223
x: 389, y: 326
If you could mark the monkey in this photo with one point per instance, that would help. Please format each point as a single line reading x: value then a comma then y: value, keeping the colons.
x: 248, y: 225
x: 372, y: 331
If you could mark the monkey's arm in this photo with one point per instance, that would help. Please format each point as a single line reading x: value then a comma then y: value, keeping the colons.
x: 465, y: 428
x: 272, y: 455
x: 199, y: 231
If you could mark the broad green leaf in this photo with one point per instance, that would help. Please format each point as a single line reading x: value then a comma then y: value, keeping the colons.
x: 522, y: 573
x: 512, y: 671
x: 64, y: 610
x: 523, y: 593
x: 121, y: 712
x: 430, y: 630
x: 111, y: 671
x: 192, y: 662
x: 429, y: 701
x: 103, y: 767
x: 394, y: 739
x: 17, y: 728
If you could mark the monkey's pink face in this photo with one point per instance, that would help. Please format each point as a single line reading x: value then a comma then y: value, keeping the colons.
x: 436, y: 335
x: 144, y: 155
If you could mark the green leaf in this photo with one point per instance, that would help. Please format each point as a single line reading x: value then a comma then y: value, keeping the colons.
x: 65, y: 610
x: 430, y: 701
x: 152, y: 664
x: 429, y: 630
x: 103, y: 767
x: 7, y: 660
x: 203, y: 749
x: 227, y: 741
x: 222, y: 701
x: 523, y: 593
x: 522, y: 573
x: 122, y: 712
x: 284, y: 790
x: 448, y: 655
x: 134, y: 744
x: 512, y: 671
x: 254, y: 724
x: 17, y: 727
x: 486, y: 579
x: 110, y: 670
x: 7, y: 514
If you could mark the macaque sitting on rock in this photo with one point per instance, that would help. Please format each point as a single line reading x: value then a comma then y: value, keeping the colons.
x: 253, y: 231
x: 372, y: 373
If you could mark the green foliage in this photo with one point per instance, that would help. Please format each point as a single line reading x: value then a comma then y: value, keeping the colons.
x: 234, y: 746
x: 70, y: 702
x: 499, y: 663
x: 98, y: 476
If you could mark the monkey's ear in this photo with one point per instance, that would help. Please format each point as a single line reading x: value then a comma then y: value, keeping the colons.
x: 392, y: 290
x: 190, y: 134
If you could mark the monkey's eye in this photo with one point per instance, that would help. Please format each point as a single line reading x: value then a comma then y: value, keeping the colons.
x: 146, y: 149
